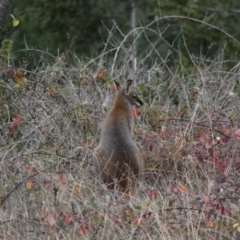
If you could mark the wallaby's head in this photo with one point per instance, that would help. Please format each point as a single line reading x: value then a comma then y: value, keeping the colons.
x: 125, y: 96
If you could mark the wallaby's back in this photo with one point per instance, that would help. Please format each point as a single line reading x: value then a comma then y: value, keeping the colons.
x: 119, y: 159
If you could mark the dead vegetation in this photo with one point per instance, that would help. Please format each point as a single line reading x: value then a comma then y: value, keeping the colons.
x: 188, y: 132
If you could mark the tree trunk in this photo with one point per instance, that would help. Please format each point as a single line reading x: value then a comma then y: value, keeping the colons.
x: 4, y: 5
x: 131, y: 13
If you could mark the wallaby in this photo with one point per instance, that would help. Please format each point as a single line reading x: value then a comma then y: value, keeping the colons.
x: 118, y: 157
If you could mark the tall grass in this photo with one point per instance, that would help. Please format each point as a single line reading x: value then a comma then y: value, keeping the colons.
x: 188, y: 132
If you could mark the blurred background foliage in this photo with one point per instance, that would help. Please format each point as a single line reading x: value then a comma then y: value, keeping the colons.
x: 84, y: 27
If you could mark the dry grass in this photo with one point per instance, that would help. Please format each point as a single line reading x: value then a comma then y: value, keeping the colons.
x: 188, y: 132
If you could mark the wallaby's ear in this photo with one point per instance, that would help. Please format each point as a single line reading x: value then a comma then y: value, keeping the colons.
x: 128, y: 85
x: 117, y: 84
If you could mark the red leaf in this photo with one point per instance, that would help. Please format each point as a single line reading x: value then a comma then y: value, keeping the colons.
x: 16, y: 121
x: 180, y: 188
x: 67, y: 219
x: 82, y: 230
x: 10, y: 72
x: 118, y: 222
x: 47, y: 216
x: 209, y: 223
x: 222, y: 209
x: 153, y: 194
x: 31, y: 169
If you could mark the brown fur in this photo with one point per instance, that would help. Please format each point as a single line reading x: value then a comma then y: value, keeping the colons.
x: 118, y: 157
